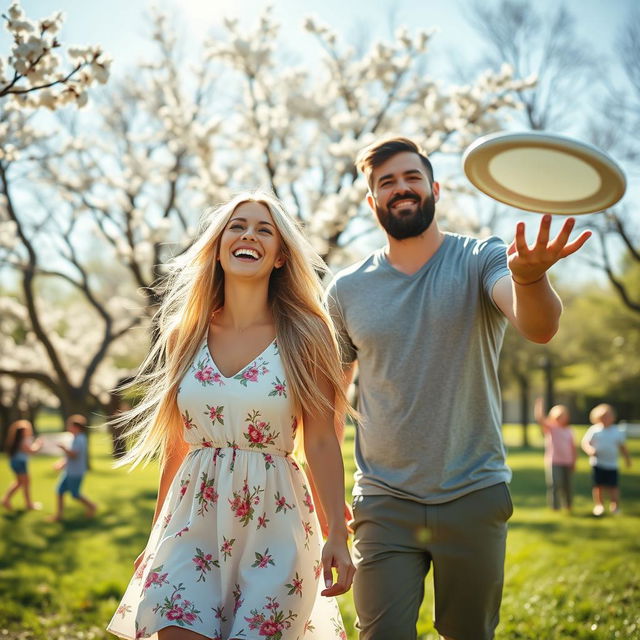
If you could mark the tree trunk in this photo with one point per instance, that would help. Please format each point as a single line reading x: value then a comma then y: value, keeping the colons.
x: 549, y: 391
x: 523, y: 383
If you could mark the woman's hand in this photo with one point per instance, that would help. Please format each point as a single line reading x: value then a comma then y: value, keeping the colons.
x: 335, y: 555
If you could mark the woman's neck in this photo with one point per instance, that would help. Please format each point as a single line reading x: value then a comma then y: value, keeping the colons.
x: 245, y: 305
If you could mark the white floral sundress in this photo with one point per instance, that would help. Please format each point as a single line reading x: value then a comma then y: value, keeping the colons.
x: 235, y: 551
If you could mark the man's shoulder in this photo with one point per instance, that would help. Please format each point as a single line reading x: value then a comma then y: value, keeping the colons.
x: 474, y: 245
x: 352, y: 275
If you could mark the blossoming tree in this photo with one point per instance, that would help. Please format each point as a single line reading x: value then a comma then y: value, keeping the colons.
x: 126, y: 180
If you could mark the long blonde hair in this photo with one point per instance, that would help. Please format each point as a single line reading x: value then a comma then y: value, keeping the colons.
x: 194, y: 290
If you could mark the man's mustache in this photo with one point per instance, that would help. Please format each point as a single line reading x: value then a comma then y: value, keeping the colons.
x: 405, y: 196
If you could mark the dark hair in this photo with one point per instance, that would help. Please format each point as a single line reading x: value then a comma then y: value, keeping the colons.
x: 15, y: 436
x: 79, y: 421
x: 379, y: 152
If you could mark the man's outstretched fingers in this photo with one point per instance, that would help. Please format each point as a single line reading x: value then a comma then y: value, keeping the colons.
x: 520, y: 240
x: 563, y: 235
x: 572, y: 247
x: 543, y: 231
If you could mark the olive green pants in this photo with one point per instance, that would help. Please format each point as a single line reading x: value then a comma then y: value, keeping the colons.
x: 395, y: 543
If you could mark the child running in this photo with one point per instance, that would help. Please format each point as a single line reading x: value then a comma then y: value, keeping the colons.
x: 602, y: 442
x: 20, y: 445
x: 74, y: 467
x: 559, y: 453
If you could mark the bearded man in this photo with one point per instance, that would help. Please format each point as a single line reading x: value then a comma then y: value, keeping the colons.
x: 424, y: 318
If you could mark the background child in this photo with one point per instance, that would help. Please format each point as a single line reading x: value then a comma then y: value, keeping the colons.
x: 559, y: 453
x: 602, y: 442
x: 74, y: 466
x: 20, y: 445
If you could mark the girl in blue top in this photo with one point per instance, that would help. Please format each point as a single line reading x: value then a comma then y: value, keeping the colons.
x: 20, y: 445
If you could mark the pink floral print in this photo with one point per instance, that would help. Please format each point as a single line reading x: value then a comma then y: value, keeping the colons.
x: 295, y: 586
x: 187, y: 421
x: 156, y: 578
x: 207, y: 495
x: 308, y: 532
x: 206, y: 375
x: 279, y: 388
x: 273, y: 623
x: 215, y: 414
x: 141, y: 633
x: 259, y: 433
x: 178, y: 610
x: 227, y: 547
x: 238, y: 519
x: 237, y: 599
x: 218, y: 613
x: 338, y: 629
x: 252, y: 372
x: 263, y: 560
x: 308, y: 500
x: 282, y: 504
x: 204, y: 564
x: 243, y: 503
x: 184, y: 485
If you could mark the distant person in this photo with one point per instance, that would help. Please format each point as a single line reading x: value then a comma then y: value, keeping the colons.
x: 20, y: 445
x: 603, y: 442
x: 74, y: 467
x: 559, y: 453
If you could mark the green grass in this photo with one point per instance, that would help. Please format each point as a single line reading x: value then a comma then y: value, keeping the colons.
x: 566, y: 577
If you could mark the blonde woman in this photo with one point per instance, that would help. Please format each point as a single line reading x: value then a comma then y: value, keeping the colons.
x: 246, y: 360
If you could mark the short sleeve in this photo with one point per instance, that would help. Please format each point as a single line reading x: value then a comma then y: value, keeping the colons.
x: 586, y: 438
x: 493, y: 253
x: 348, y: 351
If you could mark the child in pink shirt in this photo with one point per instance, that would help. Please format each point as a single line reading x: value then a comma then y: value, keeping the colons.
x: 559, y: 453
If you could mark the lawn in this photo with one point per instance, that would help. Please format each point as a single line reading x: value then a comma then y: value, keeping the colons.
x: 566, y: 576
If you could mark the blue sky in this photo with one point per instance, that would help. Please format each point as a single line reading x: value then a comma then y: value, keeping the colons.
x: 119, y: 26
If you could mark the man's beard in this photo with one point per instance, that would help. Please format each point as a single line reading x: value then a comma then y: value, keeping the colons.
x: 407, y: 225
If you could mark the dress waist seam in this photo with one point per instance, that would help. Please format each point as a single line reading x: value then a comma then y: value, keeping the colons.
x: 217, y: 449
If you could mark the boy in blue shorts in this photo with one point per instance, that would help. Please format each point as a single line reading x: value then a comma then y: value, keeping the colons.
x: 74, y: 467
x: 602, y: 442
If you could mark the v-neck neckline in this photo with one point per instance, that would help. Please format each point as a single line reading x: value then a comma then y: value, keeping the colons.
x: 246, y: 366
x: 383, y: 260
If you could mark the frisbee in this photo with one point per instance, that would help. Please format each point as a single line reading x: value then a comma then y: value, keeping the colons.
x: 544, y: 172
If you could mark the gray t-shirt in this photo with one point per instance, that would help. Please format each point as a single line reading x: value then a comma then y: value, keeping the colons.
x: 78, y: 466
x: 427, y: 347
